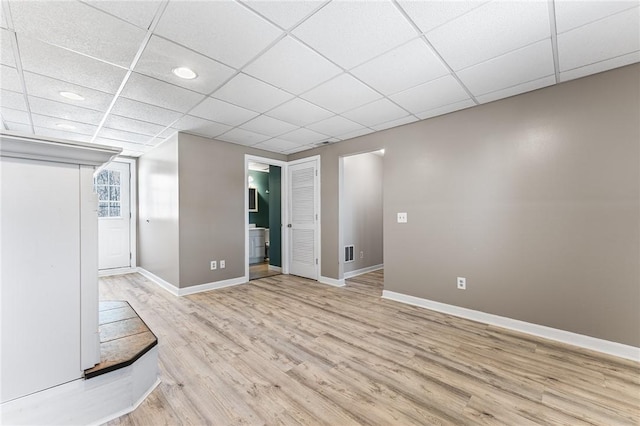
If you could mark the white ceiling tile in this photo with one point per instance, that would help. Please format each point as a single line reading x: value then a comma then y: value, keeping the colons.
x: 601, y: 66
x: 572, y: 14
x: 355, y: 134
x: 78, y: 27
x: 149, y: 90
x: 65, y: 65
x: 517, y: 67
x: 395, y: 123
x: 3, y: 20
x: 139, y: 13
x: 15, y: 115
x: 292, y: 66
x: 49, y: 88
x: 14, y: 100
x: 428, y: 15
x: 6, y: 49
x: 350, y: 33
x: 305, y: 136
x: 243, y: 137
x: 161, y: 56
x: 490, y: 30
x: 62, y: 134
x: 198, y: 126
x: 52, y: 123
x: 276, y: 145
x: 335, y: 125
x: 222, y: 112
x: 404, y: 67
x: 123, y: 136
x: 66, y: 111
x: 376, y: 112
x: 299, y: 148
x: 268, y: 126
x: 167, y: 133
x: 456, y: 106
x: 145, y: 112
x: 300, y: 112
x: 341, y: 94
x: 19, y: 127
x: 284, y: 13
x: 443, y: 91
x: 516, y: 90
x: 222, y: 30
x: 252, y: 94
x: 9, y: 79
x: 608, y: 38
x: 128, y: 146
x: 130, y: 125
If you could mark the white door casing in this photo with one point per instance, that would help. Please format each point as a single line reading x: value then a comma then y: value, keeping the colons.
x: 303, y: 219
x: 114, y: 216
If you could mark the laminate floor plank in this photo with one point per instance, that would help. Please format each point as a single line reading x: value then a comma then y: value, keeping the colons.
x: 284, y: 350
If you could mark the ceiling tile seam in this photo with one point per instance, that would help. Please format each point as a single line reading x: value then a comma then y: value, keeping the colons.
x: 509, y: 87
x: 64, y: 103
x: 598, y: 62
x: 4, y: 124
x: 134, y: 62
x: 347, y: 71
x: 18, y: 59
x: 194, y: 51
x: 294, y: 26
x: 116, y: 16
x: 602, y: 18
x: 435, y: 52
x: 478, y: 5
x: 554, y: 38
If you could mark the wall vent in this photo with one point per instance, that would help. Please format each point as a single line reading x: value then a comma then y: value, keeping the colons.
x: 348, y: 253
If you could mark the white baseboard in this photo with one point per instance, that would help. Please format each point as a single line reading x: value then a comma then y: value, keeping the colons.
x: 575, y: 339
x: 193, y: 289
x: 159, y: 281
x: 211, y: 286
x: 361, y: 271
x: 116, y: 271
x: 275, y: 268
x: 92, y: 401
x: 331, y: 281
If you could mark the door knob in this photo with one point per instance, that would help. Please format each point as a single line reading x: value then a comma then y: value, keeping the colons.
x: 289, y: 226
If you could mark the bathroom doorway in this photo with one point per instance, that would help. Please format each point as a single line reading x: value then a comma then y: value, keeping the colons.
x: 264, y: 218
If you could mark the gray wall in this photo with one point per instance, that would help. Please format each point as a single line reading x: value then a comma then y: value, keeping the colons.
x: 362, y: 209
x: 534, y: 199
x: 158, y: 245
x: 191, y: 190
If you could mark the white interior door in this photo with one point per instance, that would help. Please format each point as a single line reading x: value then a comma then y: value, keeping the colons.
x: 303, y: 219
x: 114, y: 216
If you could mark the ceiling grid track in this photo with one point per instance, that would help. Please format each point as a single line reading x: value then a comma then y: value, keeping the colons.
x: 136, y: 58
x: 16, y: 54
x: 435, y: 52
x: 554, y: 39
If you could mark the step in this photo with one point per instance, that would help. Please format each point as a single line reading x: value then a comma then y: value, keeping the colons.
x: 124, y: 338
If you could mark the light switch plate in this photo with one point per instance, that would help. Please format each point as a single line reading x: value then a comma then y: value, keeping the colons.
x: 402, y: 217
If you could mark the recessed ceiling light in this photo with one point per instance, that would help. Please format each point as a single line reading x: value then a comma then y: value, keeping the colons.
x: 72, y: 96
x: 65, y: 126
x: 184, y: 72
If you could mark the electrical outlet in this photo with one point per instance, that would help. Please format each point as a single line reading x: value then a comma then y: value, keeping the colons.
x: 462, y: 283
x: 214, y: 265
x: 222, y: 264
x: 361, y: 255
x: 402, y: 217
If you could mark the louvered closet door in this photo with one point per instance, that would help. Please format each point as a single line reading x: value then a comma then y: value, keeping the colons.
x: 303, y: 220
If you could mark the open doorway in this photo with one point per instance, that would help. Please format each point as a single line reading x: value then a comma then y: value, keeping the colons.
x: 361, y: 218
x: 264, y: 218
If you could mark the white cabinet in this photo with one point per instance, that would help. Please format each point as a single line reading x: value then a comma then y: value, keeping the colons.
x: 48, y: 252
x: 256, y: 245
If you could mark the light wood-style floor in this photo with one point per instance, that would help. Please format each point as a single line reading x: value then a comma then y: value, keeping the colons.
x: 285, y: 350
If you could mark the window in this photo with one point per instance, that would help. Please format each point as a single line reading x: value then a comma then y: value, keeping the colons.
x: 107, y: 186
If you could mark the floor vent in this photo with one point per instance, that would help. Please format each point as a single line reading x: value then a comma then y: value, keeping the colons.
x: 348, y: 253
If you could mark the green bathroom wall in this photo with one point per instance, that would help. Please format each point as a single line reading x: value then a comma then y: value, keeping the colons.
x: 261, y: 183
x: 275, y: 216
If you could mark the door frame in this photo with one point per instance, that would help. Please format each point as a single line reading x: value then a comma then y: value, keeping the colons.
x: 284, y: 165
x: 283, y: 207
x: 133, y: 220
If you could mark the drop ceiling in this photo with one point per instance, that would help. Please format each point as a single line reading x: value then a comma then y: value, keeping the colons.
x: 284, y: 76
